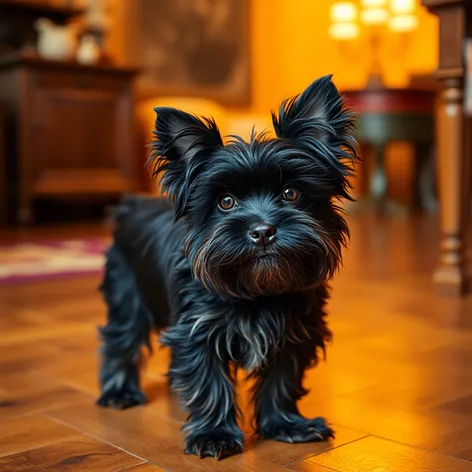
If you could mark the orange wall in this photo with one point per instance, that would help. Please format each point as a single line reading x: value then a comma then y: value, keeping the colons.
x: 291, y: 47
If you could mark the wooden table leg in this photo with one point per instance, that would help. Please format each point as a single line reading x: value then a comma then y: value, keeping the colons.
x: 378, y: 180
x: 424, y: 188
x: 451, y: 276
x: 375, y: 184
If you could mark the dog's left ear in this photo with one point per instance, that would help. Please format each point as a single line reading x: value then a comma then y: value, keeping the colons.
x: 318, y: 123
x: 182, y: 145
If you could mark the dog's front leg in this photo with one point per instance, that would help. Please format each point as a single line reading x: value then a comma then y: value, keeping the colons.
x: 277, y: 391
x: 205, y: 387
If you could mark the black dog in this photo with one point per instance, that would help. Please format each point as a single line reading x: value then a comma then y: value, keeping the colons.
x: 235, y: 272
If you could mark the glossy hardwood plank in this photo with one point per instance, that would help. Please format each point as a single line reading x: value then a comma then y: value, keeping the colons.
x: 30, y: 392
x: 150, y: 435
x: 22, y: 357
x: 49, y: 294
x: 30, y: 432
x: 310, y: 467
x: 374, y: 454
x: 146, y: 467
x: 140, y: 431
x: 270, y: 455
x: 455, y: 441
x: 27, y: 331
x: 427, y: 390
x: 424, y: 430
x: 462, y: 406
x: 81, y: 454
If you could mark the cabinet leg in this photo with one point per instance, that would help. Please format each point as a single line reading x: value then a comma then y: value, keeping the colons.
x: 451, y: 275
x: 378, y: 179
x: 376, y: 185
x: 25, y: 214
x: 424, y: 189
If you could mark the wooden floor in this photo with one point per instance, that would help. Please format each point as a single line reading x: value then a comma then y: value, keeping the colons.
x: 397, y: 384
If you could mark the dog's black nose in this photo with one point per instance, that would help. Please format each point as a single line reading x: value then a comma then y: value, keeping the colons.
x: 262, y: 234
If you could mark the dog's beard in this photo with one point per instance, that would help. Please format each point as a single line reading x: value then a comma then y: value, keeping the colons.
x: 268, y: 275
x: 242, y: 272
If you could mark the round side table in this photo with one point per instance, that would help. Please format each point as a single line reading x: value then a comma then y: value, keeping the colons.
x: 388, y: 115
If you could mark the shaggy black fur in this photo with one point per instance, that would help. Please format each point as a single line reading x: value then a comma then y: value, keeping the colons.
x: 225, y: 291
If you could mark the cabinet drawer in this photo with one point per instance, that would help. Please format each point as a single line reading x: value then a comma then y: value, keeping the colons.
x: 79, y: 128
x: 79, y: 81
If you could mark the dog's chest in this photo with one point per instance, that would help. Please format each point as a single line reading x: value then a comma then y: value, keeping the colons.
x: 253, y: 338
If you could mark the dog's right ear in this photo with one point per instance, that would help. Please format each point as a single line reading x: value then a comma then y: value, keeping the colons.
x: 182, y: 144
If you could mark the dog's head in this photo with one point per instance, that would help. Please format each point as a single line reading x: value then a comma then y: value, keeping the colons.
x: 261, y: 215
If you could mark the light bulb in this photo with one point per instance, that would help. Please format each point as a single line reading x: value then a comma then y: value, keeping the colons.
x: 344, y: 31
x: 403, y: 23
x: 374, y: 16
x: 402, y: 6
x: 343, y: 12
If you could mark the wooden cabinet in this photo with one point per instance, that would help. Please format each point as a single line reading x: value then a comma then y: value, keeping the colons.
x: 69, y: 130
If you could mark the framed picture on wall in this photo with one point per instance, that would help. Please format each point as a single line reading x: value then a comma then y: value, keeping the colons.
x: 198, y: 48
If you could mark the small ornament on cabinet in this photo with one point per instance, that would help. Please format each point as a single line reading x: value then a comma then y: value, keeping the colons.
x: 55, y: 42
x: 96, y: 24
x: 89, y: 51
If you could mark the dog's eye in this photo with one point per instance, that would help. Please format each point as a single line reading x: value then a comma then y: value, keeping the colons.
x: 226, y: 202
x: 291, y: 194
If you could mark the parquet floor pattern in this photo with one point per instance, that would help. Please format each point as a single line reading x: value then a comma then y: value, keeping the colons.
x: 397, y: 383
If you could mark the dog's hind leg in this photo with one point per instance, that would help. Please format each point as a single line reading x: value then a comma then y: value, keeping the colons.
x: 125, y: 334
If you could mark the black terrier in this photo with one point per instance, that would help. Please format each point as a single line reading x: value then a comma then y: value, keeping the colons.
x: 234, y: 273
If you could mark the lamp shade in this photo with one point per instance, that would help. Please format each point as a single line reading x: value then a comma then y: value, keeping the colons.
x: 343, y: 12
x: 344, y: 31
x: 374, y: 16
x: 402, y: 6
x: 403, y: 23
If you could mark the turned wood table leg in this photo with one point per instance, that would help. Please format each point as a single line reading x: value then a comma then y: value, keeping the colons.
x: 451, y: 277
x: 378, y: 180
x: 424, y: 188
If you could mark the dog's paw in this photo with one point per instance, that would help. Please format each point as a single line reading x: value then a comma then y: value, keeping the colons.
x: 217, y: 444
x: 121, y: 399
x: 296, y: 429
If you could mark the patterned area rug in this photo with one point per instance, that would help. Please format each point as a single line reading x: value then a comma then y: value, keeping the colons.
x: 36, y: 261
